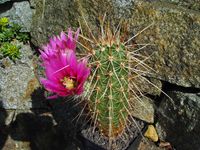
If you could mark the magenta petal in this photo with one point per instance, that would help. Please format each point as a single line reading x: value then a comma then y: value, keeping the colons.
x: 86, y: 74
x: 80, y: 88
x: 52, y: 43
x: 70, y: 34
x: 80, y: 91
x: 43, y: 55
x: 63, y: 36
x: 52, y: 97
x: 72, y: 61
x: 49, y: 85
x: 59, y: 61
x: 80, y: 70
x: 71, y: 45
x: 77, y: 34
x: 83, y: 71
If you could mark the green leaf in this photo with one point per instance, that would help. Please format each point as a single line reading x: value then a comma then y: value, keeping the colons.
x: 4, y: 21
x: 22, y: 37
x: 10, y: 50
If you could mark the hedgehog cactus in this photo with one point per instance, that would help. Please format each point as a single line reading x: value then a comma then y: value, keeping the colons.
x: 109, y: 88
x: 108, y: 91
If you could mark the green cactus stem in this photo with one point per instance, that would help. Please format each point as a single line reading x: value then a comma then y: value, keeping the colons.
x: 111, y: 89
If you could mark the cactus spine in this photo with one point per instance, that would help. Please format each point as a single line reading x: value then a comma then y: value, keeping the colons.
x: 109, y: 94
x: 108, y: 91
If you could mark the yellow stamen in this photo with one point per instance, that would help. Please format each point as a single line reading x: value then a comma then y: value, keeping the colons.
x: 68, y: 83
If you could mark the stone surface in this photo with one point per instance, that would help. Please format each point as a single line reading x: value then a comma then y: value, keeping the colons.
x: 18, y: 81
x: 50, y: 18
x: 3, y: 1
x: 7, y: 117
x: 190, y: 4
x: 161, y: 132
x: 175, y: 32
x: 31, y: 131
x: 17, y: 145
x: 148, y: 85
x: 41, y: 129
x: 146, y: 144
x: 151, y: 133
x: 143, y: 109
x: 179, y: 123
x: 19, y: 13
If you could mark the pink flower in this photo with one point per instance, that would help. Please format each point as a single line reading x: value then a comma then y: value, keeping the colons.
x: 65, y: 75
x: 60, y: 43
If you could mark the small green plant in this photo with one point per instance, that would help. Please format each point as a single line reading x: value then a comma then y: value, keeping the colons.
x: 4, y: 22
x: 10, y: 32
x: 10, y: 50
x: 22, y: 37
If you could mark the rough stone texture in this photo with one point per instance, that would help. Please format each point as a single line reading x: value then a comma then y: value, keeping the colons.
x: 20, y: 13
x: 32, y: 3
x: 16, y: 145
x: 7, y: 142
x: 50, y: 18
x: 161, y: 132
x: 36, y: 130
x: 3, y: 1
x: 190, y: 4
x: 143, y: 109
x: 175, y: 32
x: 152, y: 86
x: 17, y: 81
x: 179, y: 123
x: 41, y: 129
x: 146, y: 144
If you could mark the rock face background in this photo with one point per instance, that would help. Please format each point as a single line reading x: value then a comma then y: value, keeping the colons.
x: 175, y: 39
x: 19, y: 12
x: 182, y: 119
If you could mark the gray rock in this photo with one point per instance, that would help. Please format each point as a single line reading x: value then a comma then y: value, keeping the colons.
x: 50, y: 18
x: 24, y: 130
x: 32, y: 3
x: 20, y: 13
x: 18, y: 145
x: 176, y: 37
x: 143, y: 109
x: 146, y: 144
x: 17, y: 81
x: 179, y: 121
x: 190, y: 4
x: 175, y: 32
x: 3, y: 1
x: 151, y: 86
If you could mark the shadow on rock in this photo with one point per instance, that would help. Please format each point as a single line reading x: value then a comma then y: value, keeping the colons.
x: 181, y: 120
x: 66, y: 115
x: 39, y: 103
x: 50, y: 126
x: 3, y: 127
x: 39, y: 130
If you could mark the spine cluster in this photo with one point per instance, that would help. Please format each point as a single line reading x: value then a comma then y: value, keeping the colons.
x: 109, y: 94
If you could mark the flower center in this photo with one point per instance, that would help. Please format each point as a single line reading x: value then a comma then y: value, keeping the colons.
x: 68, y: 83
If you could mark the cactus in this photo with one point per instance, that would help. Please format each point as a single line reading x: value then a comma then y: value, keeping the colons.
x: 109, y: 92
